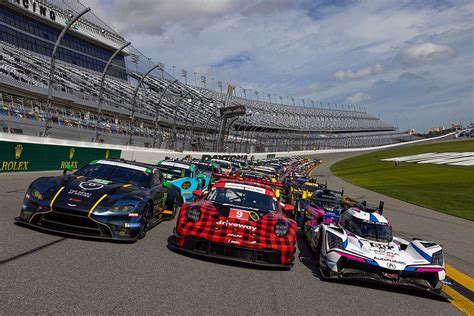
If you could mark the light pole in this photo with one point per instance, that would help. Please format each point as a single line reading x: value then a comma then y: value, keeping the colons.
x: 184, y: 73
x: 158, y: 108
x: 187, y: 116
x: 175, y: 132
x: 53, y: 64
x: 211, y: 104
x: 101, y: 88
x: 134, y: 100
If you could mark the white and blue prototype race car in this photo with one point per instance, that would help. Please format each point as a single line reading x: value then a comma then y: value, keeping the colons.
x: 360, y: 246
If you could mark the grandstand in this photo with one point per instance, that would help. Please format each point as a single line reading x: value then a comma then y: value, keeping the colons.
x: 168, y: 113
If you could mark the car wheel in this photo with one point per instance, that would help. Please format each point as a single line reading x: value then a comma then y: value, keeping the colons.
x: 145, y: 222
x: 176, y: 207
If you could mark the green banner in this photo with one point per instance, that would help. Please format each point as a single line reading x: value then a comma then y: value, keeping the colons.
x: 37, y: 157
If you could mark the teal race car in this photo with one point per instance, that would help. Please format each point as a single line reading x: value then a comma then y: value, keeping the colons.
x: 184, y: 176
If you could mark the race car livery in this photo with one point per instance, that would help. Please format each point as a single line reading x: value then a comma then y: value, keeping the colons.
x: 110, y: 199
x: 361, y: 246
x: 185, y: 177
x: 238, y: 221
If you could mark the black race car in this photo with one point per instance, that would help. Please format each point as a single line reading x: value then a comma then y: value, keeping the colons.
x: 112, y: 199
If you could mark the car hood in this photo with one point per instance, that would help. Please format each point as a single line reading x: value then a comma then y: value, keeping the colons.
x: 386, y: 255
x: 83, y: 194
x: 252, y: 230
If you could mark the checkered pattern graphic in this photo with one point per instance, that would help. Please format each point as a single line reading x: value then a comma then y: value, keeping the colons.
x: 215, y: 226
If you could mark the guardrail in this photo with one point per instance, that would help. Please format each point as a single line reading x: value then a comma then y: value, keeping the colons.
x: 30, y: 153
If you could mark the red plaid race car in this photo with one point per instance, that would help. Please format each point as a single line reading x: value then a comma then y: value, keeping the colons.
x: 238, y: 221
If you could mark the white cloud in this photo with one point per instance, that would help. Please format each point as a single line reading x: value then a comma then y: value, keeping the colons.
x: 358, y: 98
x: 424, y: 53
x: 361, y: 73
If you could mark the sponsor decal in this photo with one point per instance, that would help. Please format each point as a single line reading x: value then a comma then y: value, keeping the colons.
x: 88, y: 186
x: 391, y: 266
x: 71, y: 162
x: 236, y: 225
x: 239, y: 214
x: 388, y: 260
x: 234, y: 235
x: 386, y: 253
x: 381, y: 246
x: 15, y: 165
x: 79, y: 193
x: 244, y: 187
x: 233, y: 242
x: 38, y: 8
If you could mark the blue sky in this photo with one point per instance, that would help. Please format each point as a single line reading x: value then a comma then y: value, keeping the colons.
x: 410, y: 62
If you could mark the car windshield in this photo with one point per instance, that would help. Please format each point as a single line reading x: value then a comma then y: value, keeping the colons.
x: 223, y: 164
x: 243, y: 198
x: 376, y: 231
x: 326, y: 204
x: 205, y: 167
x: 115, y: 173
x: 174, y: 172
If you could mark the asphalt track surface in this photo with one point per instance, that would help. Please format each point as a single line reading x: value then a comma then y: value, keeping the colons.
x: 45, y: 273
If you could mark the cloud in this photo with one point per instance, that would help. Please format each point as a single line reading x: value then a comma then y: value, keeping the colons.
x: 379, y: 82
x: 358, y: 74
x: 358, y: 98
x: 410, y: 75
x: 425, y: 53
x: 155, y: 16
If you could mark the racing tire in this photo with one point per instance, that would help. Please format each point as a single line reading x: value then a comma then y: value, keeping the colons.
x: 323, y: 271
x: 145, y: 222
x: 176, y: 206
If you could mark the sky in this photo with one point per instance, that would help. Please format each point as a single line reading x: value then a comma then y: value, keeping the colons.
x: 410, y: 62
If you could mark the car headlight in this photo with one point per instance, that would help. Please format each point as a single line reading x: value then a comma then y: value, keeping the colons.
x: 117, y: 208
x: 120, y: 208
x: 37, y: 194
x: 334, y: 241
x: 437, y: 258
x: 281, y: 229
x: 194, y: 214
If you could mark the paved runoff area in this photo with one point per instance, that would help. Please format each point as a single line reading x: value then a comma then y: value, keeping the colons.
x: 49, y: 273
x: 452, y: 159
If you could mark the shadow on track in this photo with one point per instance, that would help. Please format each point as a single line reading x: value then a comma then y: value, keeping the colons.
x: 71, y: 236
x: 223, y: 261
x: 307, y: 258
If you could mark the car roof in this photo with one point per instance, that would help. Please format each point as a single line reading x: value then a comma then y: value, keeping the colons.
x: 129, y: 162
x: 373, y: 217
x: 268, y: 189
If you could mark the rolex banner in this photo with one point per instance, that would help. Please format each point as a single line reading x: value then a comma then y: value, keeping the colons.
x: 37, y: 157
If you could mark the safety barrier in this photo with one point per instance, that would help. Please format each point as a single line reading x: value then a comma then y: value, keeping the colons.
x: 31, y: 153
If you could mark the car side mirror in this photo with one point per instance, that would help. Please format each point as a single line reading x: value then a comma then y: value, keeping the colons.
x: 201, y: 176
x: 67, y: 168
x: 197, y: 193
x: 288, y: 208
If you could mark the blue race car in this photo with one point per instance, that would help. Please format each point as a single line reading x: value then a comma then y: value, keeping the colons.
x: 111, y: 199
x: 185, y: 176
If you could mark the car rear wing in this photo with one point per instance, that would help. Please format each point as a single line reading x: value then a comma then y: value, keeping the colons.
x: 370, y: 208
x: 217, y: 176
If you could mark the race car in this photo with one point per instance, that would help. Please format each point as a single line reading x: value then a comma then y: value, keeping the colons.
x: 325, y: 203
x: 110, y: 199
x: 360, y: 246
x: 185, y: 176
x: 225, y: 166
x: 238, y: 221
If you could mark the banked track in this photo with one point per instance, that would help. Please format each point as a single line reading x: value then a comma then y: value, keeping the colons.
x: 44, y: 273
